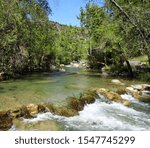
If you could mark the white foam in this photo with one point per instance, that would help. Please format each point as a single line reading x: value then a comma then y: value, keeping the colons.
x: 128, y: 97
x: 101, y: 116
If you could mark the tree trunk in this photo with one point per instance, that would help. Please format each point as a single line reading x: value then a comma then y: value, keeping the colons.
x: 129, y: 69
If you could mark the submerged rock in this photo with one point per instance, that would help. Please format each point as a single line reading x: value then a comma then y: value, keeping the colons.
x: 117, y: 82
x: 48, y: 125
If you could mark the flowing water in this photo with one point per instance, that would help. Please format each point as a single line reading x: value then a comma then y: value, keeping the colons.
x: 57, y: 86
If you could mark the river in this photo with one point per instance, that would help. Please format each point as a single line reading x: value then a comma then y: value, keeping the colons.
x: 57, y: 86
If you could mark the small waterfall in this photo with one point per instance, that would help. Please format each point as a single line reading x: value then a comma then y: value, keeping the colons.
x: 102, y: 115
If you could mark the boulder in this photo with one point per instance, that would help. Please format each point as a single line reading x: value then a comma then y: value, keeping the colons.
x: 32, y: 109
x: 6, y: 121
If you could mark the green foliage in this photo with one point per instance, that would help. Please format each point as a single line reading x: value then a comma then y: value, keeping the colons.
x: 144, y: 76
x: 30, y: 42
x: 70, y: 45
x: 23, y: 27
x: 119, y: 28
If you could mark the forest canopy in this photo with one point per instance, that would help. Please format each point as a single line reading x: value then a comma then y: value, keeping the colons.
x: 29, y: 41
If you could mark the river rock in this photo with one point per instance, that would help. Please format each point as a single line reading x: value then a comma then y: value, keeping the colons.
x: 112, y: 96
x: 140, y: 92
x: 75, y: 65
x: 146, y: 87
x: 32, y: 109
x: 109, y: 94
x: 28, y: 111
x: 117, y: 82
x: 137, y: 87
x: 6, y: 121
x: 21, y: 112
x: 145, y: 96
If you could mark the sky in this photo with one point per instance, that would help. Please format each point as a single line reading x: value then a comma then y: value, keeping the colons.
x: 66, y: 11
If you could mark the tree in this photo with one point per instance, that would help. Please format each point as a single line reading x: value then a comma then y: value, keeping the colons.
x: 24, y: 34
x: 120, y: 27
x: 134, y: 14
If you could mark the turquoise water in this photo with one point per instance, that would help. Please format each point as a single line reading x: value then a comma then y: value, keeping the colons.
x: 52, y: 87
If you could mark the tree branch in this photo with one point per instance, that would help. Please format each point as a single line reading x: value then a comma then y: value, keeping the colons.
x: 133, y: 23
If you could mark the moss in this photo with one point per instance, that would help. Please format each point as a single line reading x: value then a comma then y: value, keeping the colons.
x: 75, y: 103
x: 6, y: 121
x: 63, y: 111
x: 21, y: 112
x: 121, y: 91
x: 87, y: 99
x: 51, y: 107
x: 42, y: 109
